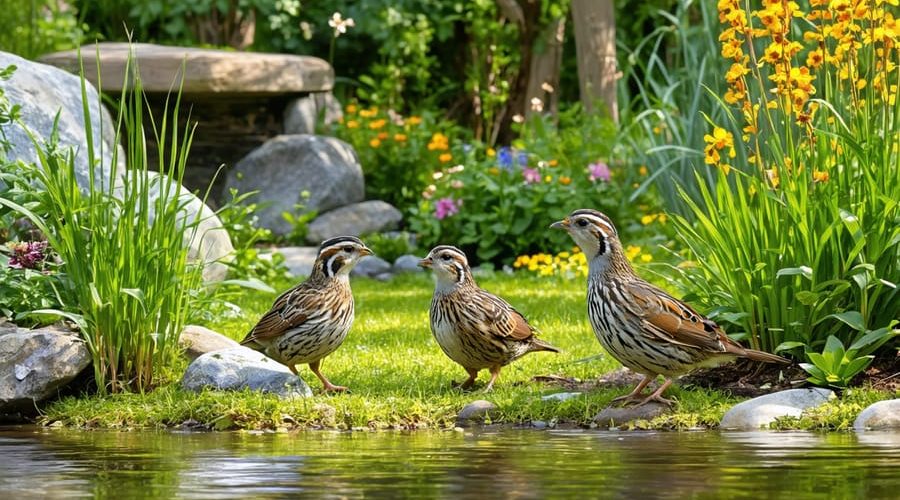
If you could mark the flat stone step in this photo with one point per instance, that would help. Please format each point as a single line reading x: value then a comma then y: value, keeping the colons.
x: 208, y: 71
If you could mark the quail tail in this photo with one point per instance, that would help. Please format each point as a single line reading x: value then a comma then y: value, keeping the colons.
x: 755, y: 355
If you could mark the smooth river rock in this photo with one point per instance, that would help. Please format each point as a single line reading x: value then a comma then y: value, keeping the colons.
x: 475, y: 412
x: 371, y: 266
x: 36, y: 364
x: 299, y: 260
x: 315, y: 172
x: 882, y: 415
x: 302, y: 114
x: 612, y: 417
x: 242, y: 368
x: 197, y: 341
x: 762, y: 411
x: 407, y: 264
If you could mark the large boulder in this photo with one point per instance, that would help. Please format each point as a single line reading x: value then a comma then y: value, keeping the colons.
x: 303, y: 113
x: 764, y: 410
x: 373, y: 216
x: 882, y: 415
x: 242, y: 368
x: 318, y: 173
x: 36, y: 364
x: 43, y: 91
x: 299, y: 260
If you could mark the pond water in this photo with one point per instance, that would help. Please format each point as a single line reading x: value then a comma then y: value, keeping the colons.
x: 486, y: 464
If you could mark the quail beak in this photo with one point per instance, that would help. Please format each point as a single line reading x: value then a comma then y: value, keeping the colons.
x: 365, y: 251
x: 563, y: 224
x: 426, y: 262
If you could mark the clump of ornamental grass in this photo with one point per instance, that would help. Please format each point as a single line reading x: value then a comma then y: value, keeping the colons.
x: 123, y: 251
x: 799, y: 245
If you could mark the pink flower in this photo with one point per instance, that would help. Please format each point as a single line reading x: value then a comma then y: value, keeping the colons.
x: 28, y: 255
x: 445, y: 207
x: 531, y: 175
x: 600, y: 171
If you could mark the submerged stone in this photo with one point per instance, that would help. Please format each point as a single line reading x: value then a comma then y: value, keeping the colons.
x: 879, y: 416
x: 612, y: 417
x: 762, y: 411
x: 243, y: 368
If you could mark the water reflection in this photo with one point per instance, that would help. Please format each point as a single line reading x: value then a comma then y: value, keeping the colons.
x: 508, y: 464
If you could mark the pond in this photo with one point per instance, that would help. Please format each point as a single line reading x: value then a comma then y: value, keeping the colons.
x: 484, y: 463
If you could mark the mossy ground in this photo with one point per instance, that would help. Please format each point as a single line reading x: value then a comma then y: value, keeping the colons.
x: 400, y: 378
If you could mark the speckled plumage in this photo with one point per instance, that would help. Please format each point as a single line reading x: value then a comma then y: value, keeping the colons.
x: 475, y: 328
x: 640, y: 325
x: 310, y: 321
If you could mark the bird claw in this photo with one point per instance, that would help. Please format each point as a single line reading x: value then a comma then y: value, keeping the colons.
x: 336, y: 388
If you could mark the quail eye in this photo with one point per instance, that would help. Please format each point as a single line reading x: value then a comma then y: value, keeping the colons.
x: 581, y: 222
x: 348, y: 249
x: 445, y: 256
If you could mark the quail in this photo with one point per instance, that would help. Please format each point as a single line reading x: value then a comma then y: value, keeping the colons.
x: 640, y: 325
x: 311, y: 320
x: 475, y: 328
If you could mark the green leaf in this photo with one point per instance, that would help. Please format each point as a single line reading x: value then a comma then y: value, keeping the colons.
x: 807, y: 298
x: 804, y: 271
x: 853, y: 319
x: 785, y: 346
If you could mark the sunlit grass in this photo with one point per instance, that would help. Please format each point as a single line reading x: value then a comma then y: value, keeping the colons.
x: 398, y: 375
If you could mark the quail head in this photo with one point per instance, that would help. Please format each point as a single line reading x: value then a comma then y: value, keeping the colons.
x: 310, y: 321
x: 643, y: 327
x: 475, y: 328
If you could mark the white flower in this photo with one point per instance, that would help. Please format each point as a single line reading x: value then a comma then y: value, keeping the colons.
x: 339, y: 24
x: 518, y: 118
x: 546, y: 87
x: 537, y: 104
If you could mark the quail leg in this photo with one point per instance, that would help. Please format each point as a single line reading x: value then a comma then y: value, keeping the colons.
x: 495, y: 372
x: 473, y: 374
x: 657, y: 395
x: 636, y: 393
x: 329, y: 387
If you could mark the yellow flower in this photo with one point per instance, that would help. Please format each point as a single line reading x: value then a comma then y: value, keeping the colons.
x: 642, y: 170
x: 352, y: 124
x: 444, y: 158
x: 553, y: 163
x: 350, y: 109
x: 646, y: 257
x: 565, y: 180
x: 548, y: 179
x: 375, y: 143
x: 400, y: 137
x: 494, y: 171
x: 632, y: 251
x: 820, y: 176
x: 414, y: 120
x: 490, y: 152
x: 377, y: 124
x: 647, y: 219
x: 382, y: 135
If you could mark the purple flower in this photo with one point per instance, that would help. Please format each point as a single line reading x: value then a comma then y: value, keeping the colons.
x: 445, y: 207
x: 600, y: 171
x: 27, y: 255
x: 531, y: 175
x: 523, y: 158
x: 505, y: 158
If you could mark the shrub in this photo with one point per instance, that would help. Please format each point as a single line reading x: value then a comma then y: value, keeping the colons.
x: 801, y: 242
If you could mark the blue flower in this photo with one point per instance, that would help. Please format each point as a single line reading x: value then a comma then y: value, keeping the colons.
x: 505, y: 158
x: 523, y: 158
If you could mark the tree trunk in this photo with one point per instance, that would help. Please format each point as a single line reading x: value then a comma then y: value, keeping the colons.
x: 543, y: 81
x: 595, y: 43
x: 526, y: 13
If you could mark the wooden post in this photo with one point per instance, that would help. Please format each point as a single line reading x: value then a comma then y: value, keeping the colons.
x: 595, y: 43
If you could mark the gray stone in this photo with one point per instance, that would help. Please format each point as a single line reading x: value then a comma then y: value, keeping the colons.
x: 42, y: 91
x: 762, y: 411
x: 242, y: 368
x: 539, y: 424
x: 210, y: 241
x: 475, y: 412
x: 299, y: 260
x: 303, y: 113
x: 612, y: 417
x: 879, y: 416
x: 207, y: 71
x: 319, y: 173
x: 371, y: 266
x: 561, y: 396
x: 35, y: 364
x: 373, y: 216
x: 407, y: 264
x: 197, y: 341
x: 383, y: 277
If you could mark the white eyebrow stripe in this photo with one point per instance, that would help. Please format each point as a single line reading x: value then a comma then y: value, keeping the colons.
x: 600, y: 222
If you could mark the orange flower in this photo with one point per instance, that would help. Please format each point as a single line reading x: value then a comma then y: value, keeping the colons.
x: 400, y: 137
x: 414, y: 120
x: 565, y: 180
x: 375, y: 143
x: 352, y: 124
x: 444, y: 158
x: 820, y: 176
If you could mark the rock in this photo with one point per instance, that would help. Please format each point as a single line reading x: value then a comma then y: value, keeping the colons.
x: 299, y: 260
x: 762, y: 411
x: 302, y: 114
x: 539, y: 424
x: 42, y: 91
x: 197, y: 341
x: 370, y: 267
x: 242, y: 368
x: 288, y: 168
x: 407, y: 264
x: 879, y: 416
x: 612, y: 417
x: 36, y: 364
x: 210, y: 242
x: 373, y: 216
x: 475, y: 413
x: 207, y: 70
x: 383, y: 277
x: 561, y: 396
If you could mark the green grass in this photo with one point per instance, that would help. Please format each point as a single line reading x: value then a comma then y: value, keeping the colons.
x: 399, y: 376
